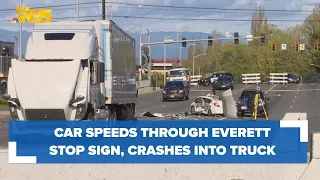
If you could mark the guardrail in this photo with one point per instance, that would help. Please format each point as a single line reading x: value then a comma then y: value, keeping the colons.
x: 251, y: 78
x: 144, y: 83
x: 281, y: 78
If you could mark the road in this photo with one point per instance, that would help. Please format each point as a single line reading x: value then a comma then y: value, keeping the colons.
x: 283, y: 99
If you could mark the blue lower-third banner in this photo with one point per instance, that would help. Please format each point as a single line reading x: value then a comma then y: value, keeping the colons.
x: 158, y: 142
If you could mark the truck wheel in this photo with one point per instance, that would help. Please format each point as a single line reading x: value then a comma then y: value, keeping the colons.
x: 4, y: 85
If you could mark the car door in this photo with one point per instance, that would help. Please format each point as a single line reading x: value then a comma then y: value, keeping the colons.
x: 199, y: 105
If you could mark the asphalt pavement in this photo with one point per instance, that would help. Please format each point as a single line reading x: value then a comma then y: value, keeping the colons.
x: 283, y: 98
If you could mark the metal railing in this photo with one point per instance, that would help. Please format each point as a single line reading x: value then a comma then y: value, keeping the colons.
x: 251, y: 78
x: 278, y: 78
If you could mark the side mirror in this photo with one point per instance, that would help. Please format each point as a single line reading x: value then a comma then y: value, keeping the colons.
x: 6, y: 96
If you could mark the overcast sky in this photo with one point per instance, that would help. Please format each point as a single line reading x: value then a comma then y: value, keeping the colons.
x: 304, y: 7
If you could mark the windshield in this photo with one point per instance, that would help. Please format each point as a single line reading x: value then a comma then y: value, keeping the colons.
x: 177, y: 73
x: 173, y: 84
x: 251, y: 94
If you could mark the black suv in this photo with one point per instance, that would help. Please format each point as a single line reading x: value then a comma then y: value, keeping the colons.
x: 223, y: 83
x: 176, y: 90
x: 292, y: 78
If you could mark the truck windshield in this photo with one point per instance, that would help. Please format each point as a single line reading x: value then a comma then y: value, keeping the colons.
x: 177, y: 73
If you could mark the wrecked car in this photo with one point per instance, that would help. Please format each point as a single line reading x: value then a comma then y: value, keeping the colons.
x: 208, y: 105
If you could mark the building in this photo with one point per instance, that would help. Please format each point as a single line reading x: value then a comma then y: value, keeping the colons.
x: 158, y: 65
x: 6, y: 48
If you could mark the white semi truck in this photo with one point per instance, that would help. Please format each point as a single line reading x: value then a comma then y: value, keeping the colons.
x: 74, y: 71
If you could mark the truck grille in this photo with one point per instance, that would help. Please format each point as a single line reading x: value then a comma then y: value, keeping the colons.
x: 45, y: 114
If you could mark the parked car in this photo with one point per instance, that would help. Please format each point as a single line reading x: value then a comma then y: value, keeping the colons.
x: 176, y: 90
x: 245, y: 102
x: 209, y: 105
x: 223, y: 83
x: 292, y: 78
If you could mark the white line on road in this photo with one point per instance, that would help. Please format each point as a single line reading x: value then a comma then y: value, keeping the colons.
x: 164, y: 106
x: 271, y: 88
x: 294, y: 101
x: 158, y: 97
x: 290, y: 106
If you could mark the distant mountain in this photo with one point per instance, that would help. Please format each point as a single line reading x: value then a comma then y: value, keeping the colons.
x: 157, y: 50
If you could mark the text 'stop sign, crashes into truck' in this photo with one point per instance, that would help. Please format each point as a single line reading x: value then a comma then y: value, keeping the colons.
x: 32, y: 15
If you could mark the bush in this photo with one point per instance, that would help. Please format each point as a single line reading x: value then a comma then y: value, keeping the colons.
x: 3, y: 101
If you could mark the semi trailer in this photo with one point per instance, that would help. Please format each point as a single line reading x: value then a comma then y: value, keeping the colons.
x: 74, y: 70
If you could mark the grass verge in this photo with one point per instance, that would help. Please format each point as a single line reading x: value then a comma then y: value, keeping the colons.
x: 3, y: 104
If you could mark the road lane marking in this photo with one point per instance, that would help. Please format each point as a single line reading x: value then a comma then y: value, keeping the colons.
x: 271, y: 88
x: 164, y: 106
x: 290, y: 106
x: 294, y: 101
x: 295, y: 90
x: 158, y: 97
x: 240, y: 90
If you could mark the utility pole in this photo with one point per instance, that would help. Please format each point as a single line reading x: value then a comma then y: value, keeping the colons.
x: 20, y: 35
x: 150, y: 56
x: 78, y: 10
x: 103, y: 9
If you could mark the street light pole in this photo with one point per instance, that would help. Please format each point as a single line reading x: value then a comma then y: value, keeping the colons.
x: 140, y: 44
x: 180, y: 63
x: 193, y: 61
x: 20, y: 35
x: 165, y: 56
x: 78, y: 10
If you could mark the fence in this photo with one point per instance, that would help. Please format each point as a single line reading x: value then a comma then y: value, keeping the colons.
x: 251, y: 78
x: 281, y: 78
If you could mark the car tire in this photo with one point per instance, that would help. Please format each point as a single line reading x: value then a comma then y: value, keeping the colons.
x: 193, y: 110
x: 240, y: 113
x: 232, y: 88
x: 164, y: 100
x: 187, y: 97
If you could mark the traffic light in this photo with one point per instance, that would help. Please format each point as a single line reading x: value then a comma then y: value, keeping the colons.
x: 5, y: 51
x: 274, y: 47
x: 184, y: 44
x: 297, y: 46
x: 236, y: 40
x: 263, y: 39
x: 210, y: 41
x: 316, y: 47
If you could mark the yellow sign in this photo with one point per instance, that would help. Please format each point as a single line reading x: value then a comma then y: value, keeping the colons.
x: 32, y: 15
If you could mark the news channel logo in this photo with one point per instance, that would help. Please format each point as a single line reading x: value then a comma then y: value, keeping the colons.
x: 32, y: 15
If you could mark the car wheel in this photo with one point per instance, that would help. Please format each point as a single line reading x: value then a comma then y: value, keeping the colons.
x: 164, y: 100
x: 193, y: 110
x: 232, y: 88
x: 187, y: 97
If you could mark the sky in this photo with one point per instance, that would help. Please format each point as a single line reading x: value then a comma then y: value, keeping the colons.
x: 302, y: 8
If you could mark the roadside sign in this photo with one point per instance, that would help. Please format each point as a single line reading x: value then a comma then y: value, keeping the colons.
x: 283, y: 46
x: 302, y: 47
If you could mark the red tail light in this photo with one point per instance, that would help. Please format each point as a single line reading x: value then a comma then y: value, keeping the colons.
x: 239, y: 100
x: 216, y: 104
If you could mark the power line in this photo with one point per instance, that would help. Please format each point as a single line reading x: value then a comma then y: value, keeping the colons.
x: 166, y: 7
x: 185, y: 19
